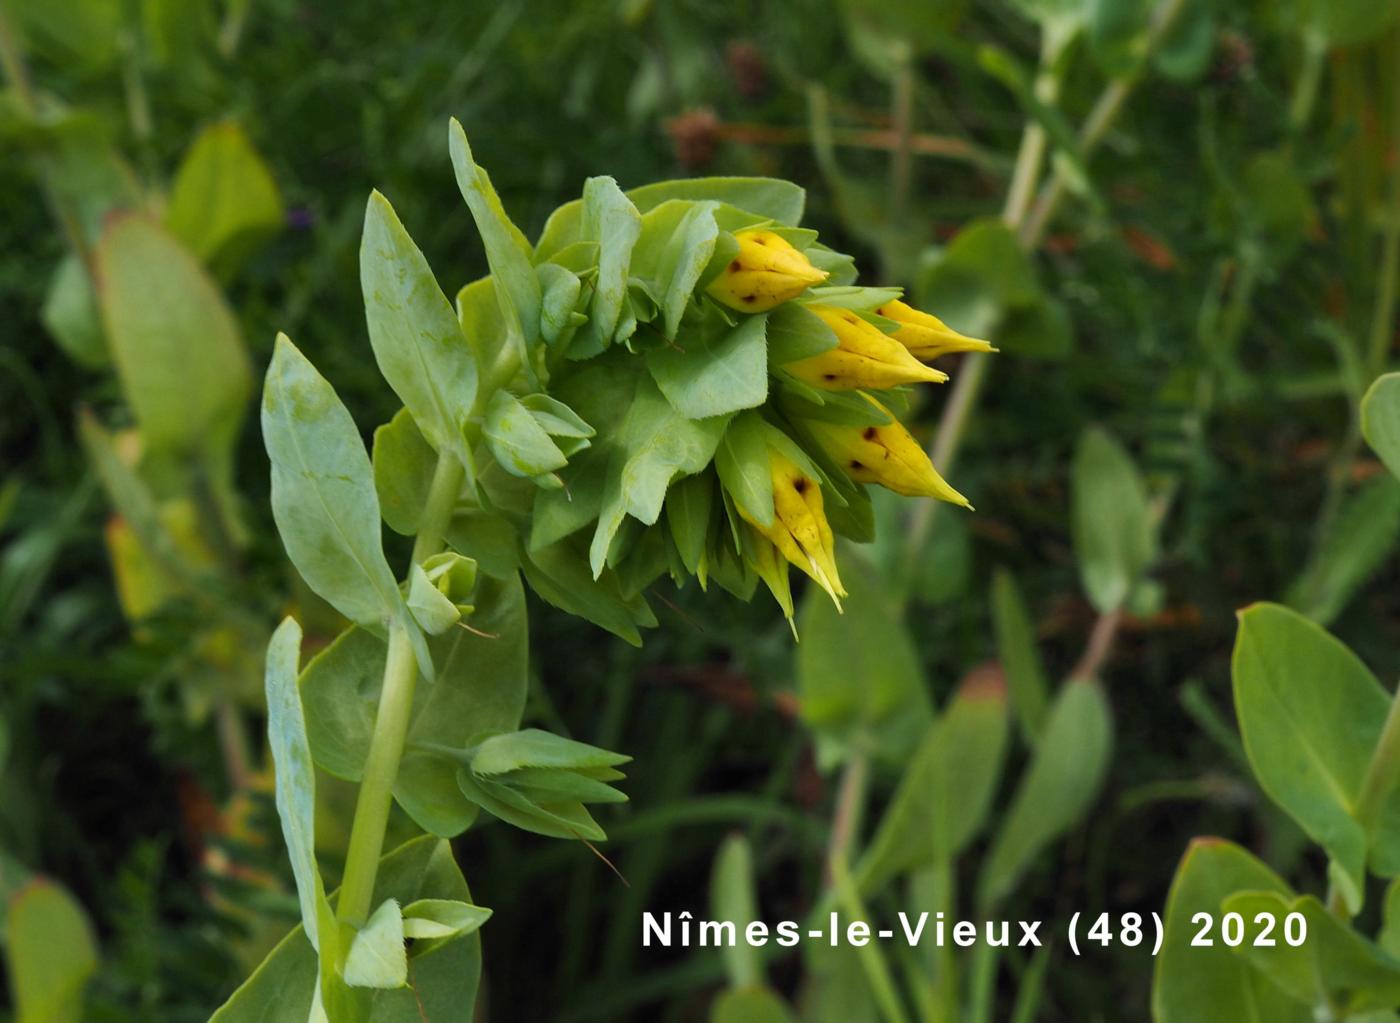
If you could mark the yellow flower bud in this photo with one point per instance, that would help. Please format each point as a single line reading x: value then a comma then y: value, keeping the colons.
x: 799, y: 529
x: 927, y: 337
x: 864, y: 356
x: 888, y: 455
x: 766, y: 272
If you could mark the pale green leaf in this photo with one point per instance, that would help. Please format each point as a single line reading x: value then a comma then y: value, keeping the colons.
x: 536, y: 748
x: 323, y: 495
x: 1211, y: 984
x: 946, y: 791
x: 888, y: 707
x: 224, y: 201
x: 403, y: 472
x: 1310, y: 714
x: 377, y: 957
x: 177, y: 346
x: 610, y: 219
x: 430, y: 607
x: 732, y: 899
x: 1334, y: 965
x: 1057, y: 790
x: 714, y: 371
x: 295, y: 773
x: 520, y: 444
x: 415, y: 333
x: 796, y: 333
x: 1380, y: 420
x: 445, y: 973
x: 745, y: 468
x: 507, y: 251
x: 1020, y: 658
x: 1114, y: 539
x: 480, y: 687
x: 70, y: 314
x: 430, y: 919
x: 657, y: 444
x: 770, y: 198
x: 51, y: 954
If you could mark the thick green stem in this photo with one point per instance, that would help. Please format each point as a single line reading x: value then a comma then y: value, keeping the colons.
x: 395, y: 714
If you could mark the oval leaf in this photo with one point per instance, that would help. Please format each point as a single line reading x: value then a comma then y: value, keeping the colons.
x: 323, y: 495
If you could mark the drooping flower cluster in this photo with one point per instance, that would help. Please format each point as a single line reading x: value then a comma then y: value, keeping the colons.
x: 690, y: 383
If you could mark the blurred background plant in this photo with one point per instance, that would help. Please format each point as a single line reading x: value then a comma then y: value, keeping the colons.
x: 1178, y: 220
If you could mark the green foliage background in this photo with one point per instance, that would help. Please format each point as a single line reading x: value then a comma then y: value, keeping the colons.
x: 1208, y: 294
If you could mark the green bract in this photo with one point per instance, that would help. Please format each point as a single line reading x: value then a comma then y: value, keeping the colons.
x: 608, y: 375
x: 663, y: 350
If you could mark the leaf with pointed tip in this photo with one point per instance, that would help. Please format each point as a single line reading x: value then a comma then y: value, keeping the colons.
x: 177, y: 346
x: 1380, y: 420
x: 507, y: 251
x: 657, y: 444
x: 481, y: 686
x: 445, y: 972
x: 772, y: 198
x: 1310, y: 715
x: 51, y: 953
x: 442, y: 918
x: 224, y: 200
x: 323, y: 495
x: 417, y: 339
x: 429, y: 606
x: 1057, y: 790
x: 377, y: 957
x: 534, y: 747
x: 1202, y: 984
x: 295, y: 773
x: 610, y: 219
x: 718, y: 371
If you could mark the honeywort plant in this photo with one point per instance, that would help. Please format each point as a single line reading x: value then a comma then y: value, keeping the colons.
x: 677, y: 380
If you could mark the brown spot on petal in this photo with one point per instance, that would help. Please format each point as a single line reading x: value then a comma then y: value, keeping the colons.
x: 870, y: 433
x: 735, y: 267
x: 750, y: 298
x: 857, y: 464
x: 800, y: 485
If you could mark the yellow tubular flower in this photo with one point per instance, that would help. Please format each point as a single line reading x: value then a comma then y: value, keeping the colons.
x: 766, y: 272
x: 927, y: 337
x: 864, y: 356
x: 888, y: 455
x: 800, y: 530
